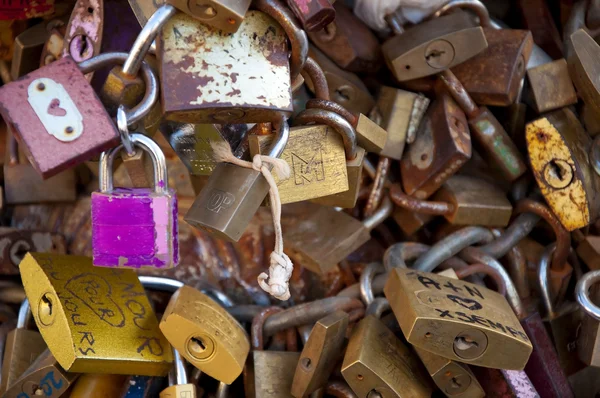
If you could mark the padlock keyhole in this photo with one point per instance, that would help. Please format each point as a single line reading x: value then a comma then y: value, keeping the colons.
x: 198, y: 345
x: 47, y: 305
x: 54, y: 108
x: 462, y: 343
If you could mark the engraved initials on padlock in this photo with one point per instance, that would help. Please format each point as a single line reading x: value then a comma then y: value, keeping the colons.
x: 219, y: 200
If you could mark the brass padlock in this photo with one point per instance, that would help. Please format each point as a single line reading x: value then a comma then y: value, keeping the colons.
x: 320, y: 353
x: 377, y: 363
x: 466, y: 323
x: 489, y: 136
x: 21, y: 348
x: 179, y: 387
x: 205, y: 334
x: 348, y: 42
x: 233, y: 194
x: 583, y: 69
x: 94, y: 320
x: 442, y: 146
x: 225, y: 15
x: 431, y: 46
x: 43, y: 377
x: 326, y: 236
x: 217, y: 89
x: 493, y: 77
x: 557, y: 146
x: 192, y: 142
x: 401, y: 114
x: 551, y: 86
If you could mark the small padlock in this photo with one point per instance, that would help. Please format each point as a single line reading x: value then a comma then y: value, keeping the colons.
x: 441, y: 148
x: 94, y: 320
x: 179, y: 387
x: 348, y: 42
x: 557, y: 146
x: 434, y: 45
x: 192, y: 142
x: 217, y: 89
x: 467, y: 323
x: 22, y: 347
x: 233, y: 194
x: 313, y: 15
x: 551, y: 86
x: 489, y: 137
x: 326, y: 236
x: 135, y: 227
x: 493, y: 77
x: 83, y: 34
x: 44, y: 377
x: 205, y: 334
x: 54, y: 110
x: 320, y: 353
x: 401, y: 114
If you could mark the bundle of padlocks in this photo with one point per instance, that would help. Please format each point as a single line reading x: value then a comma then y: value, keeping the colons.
x: 300, y: 198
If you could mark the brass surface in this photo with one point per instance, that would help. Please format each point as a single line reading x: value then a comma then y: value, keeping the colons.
x: 205, y: 334
x: 457, y: 320
x: 94, y: 320
x: 21, y: 348
x: 551, y: 86
x: 589, y: 251
x: 317, y: 162
x: 274, y: 372
x: 369, y: 135
x: 122, y: 89
x: 179, y: 391
x: 226, y: 15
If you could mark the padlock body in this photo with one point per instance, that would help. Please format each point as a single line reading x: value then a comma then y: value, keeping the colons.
x: 551, y: 86
x: 225, y: 15
x: 22, y: 348
x: 135, y: 228
x: 205, y: 87
x: 228, y: 202
x: 59, y: 120
x: 274, y: 373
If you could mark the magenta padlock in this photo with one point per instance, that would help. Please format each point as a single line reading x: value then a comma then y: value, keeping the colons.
x: 57, y: 117
x: 135, y: 227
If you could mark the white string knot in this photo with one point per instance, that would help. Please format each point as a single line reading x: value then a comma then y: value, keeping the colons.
x: 281, y: 267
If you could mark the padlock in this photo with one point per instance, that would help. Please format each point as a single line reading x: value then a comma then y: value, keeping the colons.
x: 551, y: 86
x: 273, y: 371
x: 325, y: 236
x: 537, y: 17
x: 442, y: 146
x: 314, y: 15
x: 216, y: 89
x: 589, y: 252
x: 214, y: 342
x: 15, y: 243
x: 135, y: 227
x: 377, y: 363
x: 22, y: 347
x: 489, y: 137
x: 233, y: 194
x: 83, y: 35
x: 94, y: 320
x: 192, y: 142
x: 92, y: 385
x: 475, y: 201
x: 583, y: 69
x: 44, y: 377
x: 557, y: 146
x: 345, y: 88
x: 23, y: 184
x: 348, y: 42
x: 467, y: 323
x: 179, y: 387
x: 401, y: 114
x: 320, y: 353
x: 586, y: 294
x: 58, y: 101
x: 493, y: 77
x: 434, y: 45
x: 225, y: 15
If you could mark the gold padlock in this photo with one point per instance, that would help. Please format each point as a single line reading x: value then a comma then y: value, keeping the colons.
x: 457, y: 320
x: 94, y: 320
x: 205, y: 334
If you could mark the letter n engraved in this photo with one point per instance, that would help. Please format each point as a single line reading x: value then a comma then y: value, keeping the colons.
x: 219, y: 200
x: 307, y: 171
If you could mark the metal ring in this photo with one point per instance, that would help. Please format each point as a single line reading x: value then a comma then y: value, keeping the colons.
x: 142, y: 109
x: 595, y: 154
x: 396, y: 255
x: 474, y: 5
x: 366, y: 279
x: 543, y: 270
x: 313, y: 71
x: 158, y: 161
x: 124, y: 131
x: 179, y: 369
x: 583, y: 296
x: 333, y: 120
x: 145, y: 38
x: 296, y: 35
x: 160, y: 283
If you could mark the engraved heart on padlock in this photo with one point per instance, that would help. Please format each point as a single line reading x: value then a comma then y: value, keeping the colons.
x: 54, y: 108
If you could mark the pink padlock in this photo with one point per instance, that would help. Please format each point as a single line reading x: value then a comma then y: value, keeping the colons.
x: 135, y: 227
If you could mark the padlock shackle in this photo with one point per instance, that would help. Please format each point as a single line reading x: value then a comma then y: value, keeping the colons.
x: 336, y: 122
x: 329, y: 105
x: 377, y: 307
x: 142, y: 109
x: 385, y: 210
x: 474, y: 5
x: 257, y: 327
x: 544, y: 279
x: 582, y: 293
x: 282, y: 135
x: 159, y: 164
x: 366, y: 281
x: 312, y: 71
x: 396, y: 255
x: 160, y: 283
x: 296, y: 35
x: 481, y: 268
x: 24, y: 315
x: 178, y: 375
x: 145, y: 39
